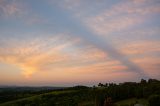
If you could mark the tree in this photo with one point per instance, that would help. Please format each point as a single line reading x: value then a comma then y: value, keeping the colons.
x: 106, y: 85
x: 100, y: 85
x: 143, y: 81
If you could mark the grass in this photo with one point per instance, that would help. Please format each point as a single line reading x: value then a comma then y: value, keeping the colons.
x: 128, y: 102
x: 37, y: 96
x: 87, y: 103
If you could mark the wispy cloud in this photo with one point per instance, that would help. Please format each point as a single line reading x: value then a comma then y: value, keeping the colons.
x: 118, y: 17
x: 105, y: 40
x: 48, y: 54
x: 125, y: 21
x: 121, y: 17
x: 141, y: 48
x: 19, y: 10
x: 33, y: 59
x: 12, y: 8
x: 151, y: 64
x: 104, y: 26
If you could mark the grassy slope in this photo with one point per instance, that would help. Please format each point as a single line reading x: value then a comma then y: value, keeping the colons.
x: 66, y: 92
x: 132, y: 101
x: 37, y: 96
x: 62, y: 97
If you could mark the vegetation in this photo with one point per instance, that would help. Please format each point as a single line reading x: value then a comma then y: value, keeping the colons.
x: 154, y: 100
x: 14, y: 93
x: 132, y: 101
x: 145, y: 92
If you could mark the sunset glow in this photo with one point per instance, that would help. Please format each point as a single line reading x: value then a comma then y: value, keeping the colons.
x: 69, y: 42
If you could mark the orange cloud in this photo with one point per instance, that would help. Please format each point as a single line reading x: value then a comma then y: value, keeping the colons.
x: 100, y: 71
x: 48, y: 54
x: 99, y: 67
x: 151, y: 65
x: 95, y: 72
x: 141, y: 47
x: 34, y: 55
x: 90, y: 53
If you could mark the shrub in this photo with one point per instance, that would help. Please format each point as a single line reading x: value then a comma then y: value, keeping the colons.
x: 154, y: 100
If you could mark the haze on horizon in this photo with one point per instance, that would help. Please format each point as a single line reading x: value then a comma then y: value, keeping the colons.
x: 70, y: 42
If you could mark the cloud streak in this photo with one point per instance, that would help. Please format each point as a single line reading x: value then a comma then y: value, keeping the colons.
x: 109, y: 48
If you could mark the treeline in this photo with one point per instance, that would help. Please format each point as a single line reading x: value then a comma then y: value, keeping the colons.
x: 143, y: 89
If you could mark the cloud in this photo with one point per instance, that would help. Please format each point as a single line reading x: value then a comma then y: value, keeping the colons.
x: 115, y: 18
x: 75, y: 3
x: 9, y: 8
x: 139, y: 1
x: 151, y: 65
x: 120, y: 17
x: 134, y: 7
x: 92, y: 37
x: 33, y: 55
x: 90, y: 72
x: 104, y: 26
x: 106, y: 67
x: 141, y: 47
x: 63, y: 58
x: 145, y: 54
x: 35, y: 19
x: 48, y: 54
x: 16, y: 9
x: 90, y: 52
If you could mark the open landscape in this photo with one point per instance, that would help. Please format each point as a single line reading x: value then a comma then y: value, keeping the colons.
x: 79, y: 52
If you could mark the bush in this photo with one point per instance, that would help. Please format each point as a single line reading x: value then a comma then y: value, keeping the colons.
x: 154, y: 100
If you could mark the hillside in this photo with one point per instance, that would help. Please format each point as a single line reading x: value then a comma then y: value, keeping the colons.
x: 124, y: 94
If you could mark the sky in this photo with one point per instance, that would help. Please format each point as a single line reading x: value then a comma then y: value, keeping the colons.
x: 78, y: 42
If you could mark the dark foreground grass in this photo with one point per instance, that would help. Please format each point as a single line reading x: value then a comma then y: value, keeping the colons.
x: 56, y: 98
x: 129, y: 102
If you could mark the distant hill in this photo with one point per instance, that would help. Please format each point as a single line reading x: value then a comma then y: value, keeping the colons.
x: 29, y: 88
